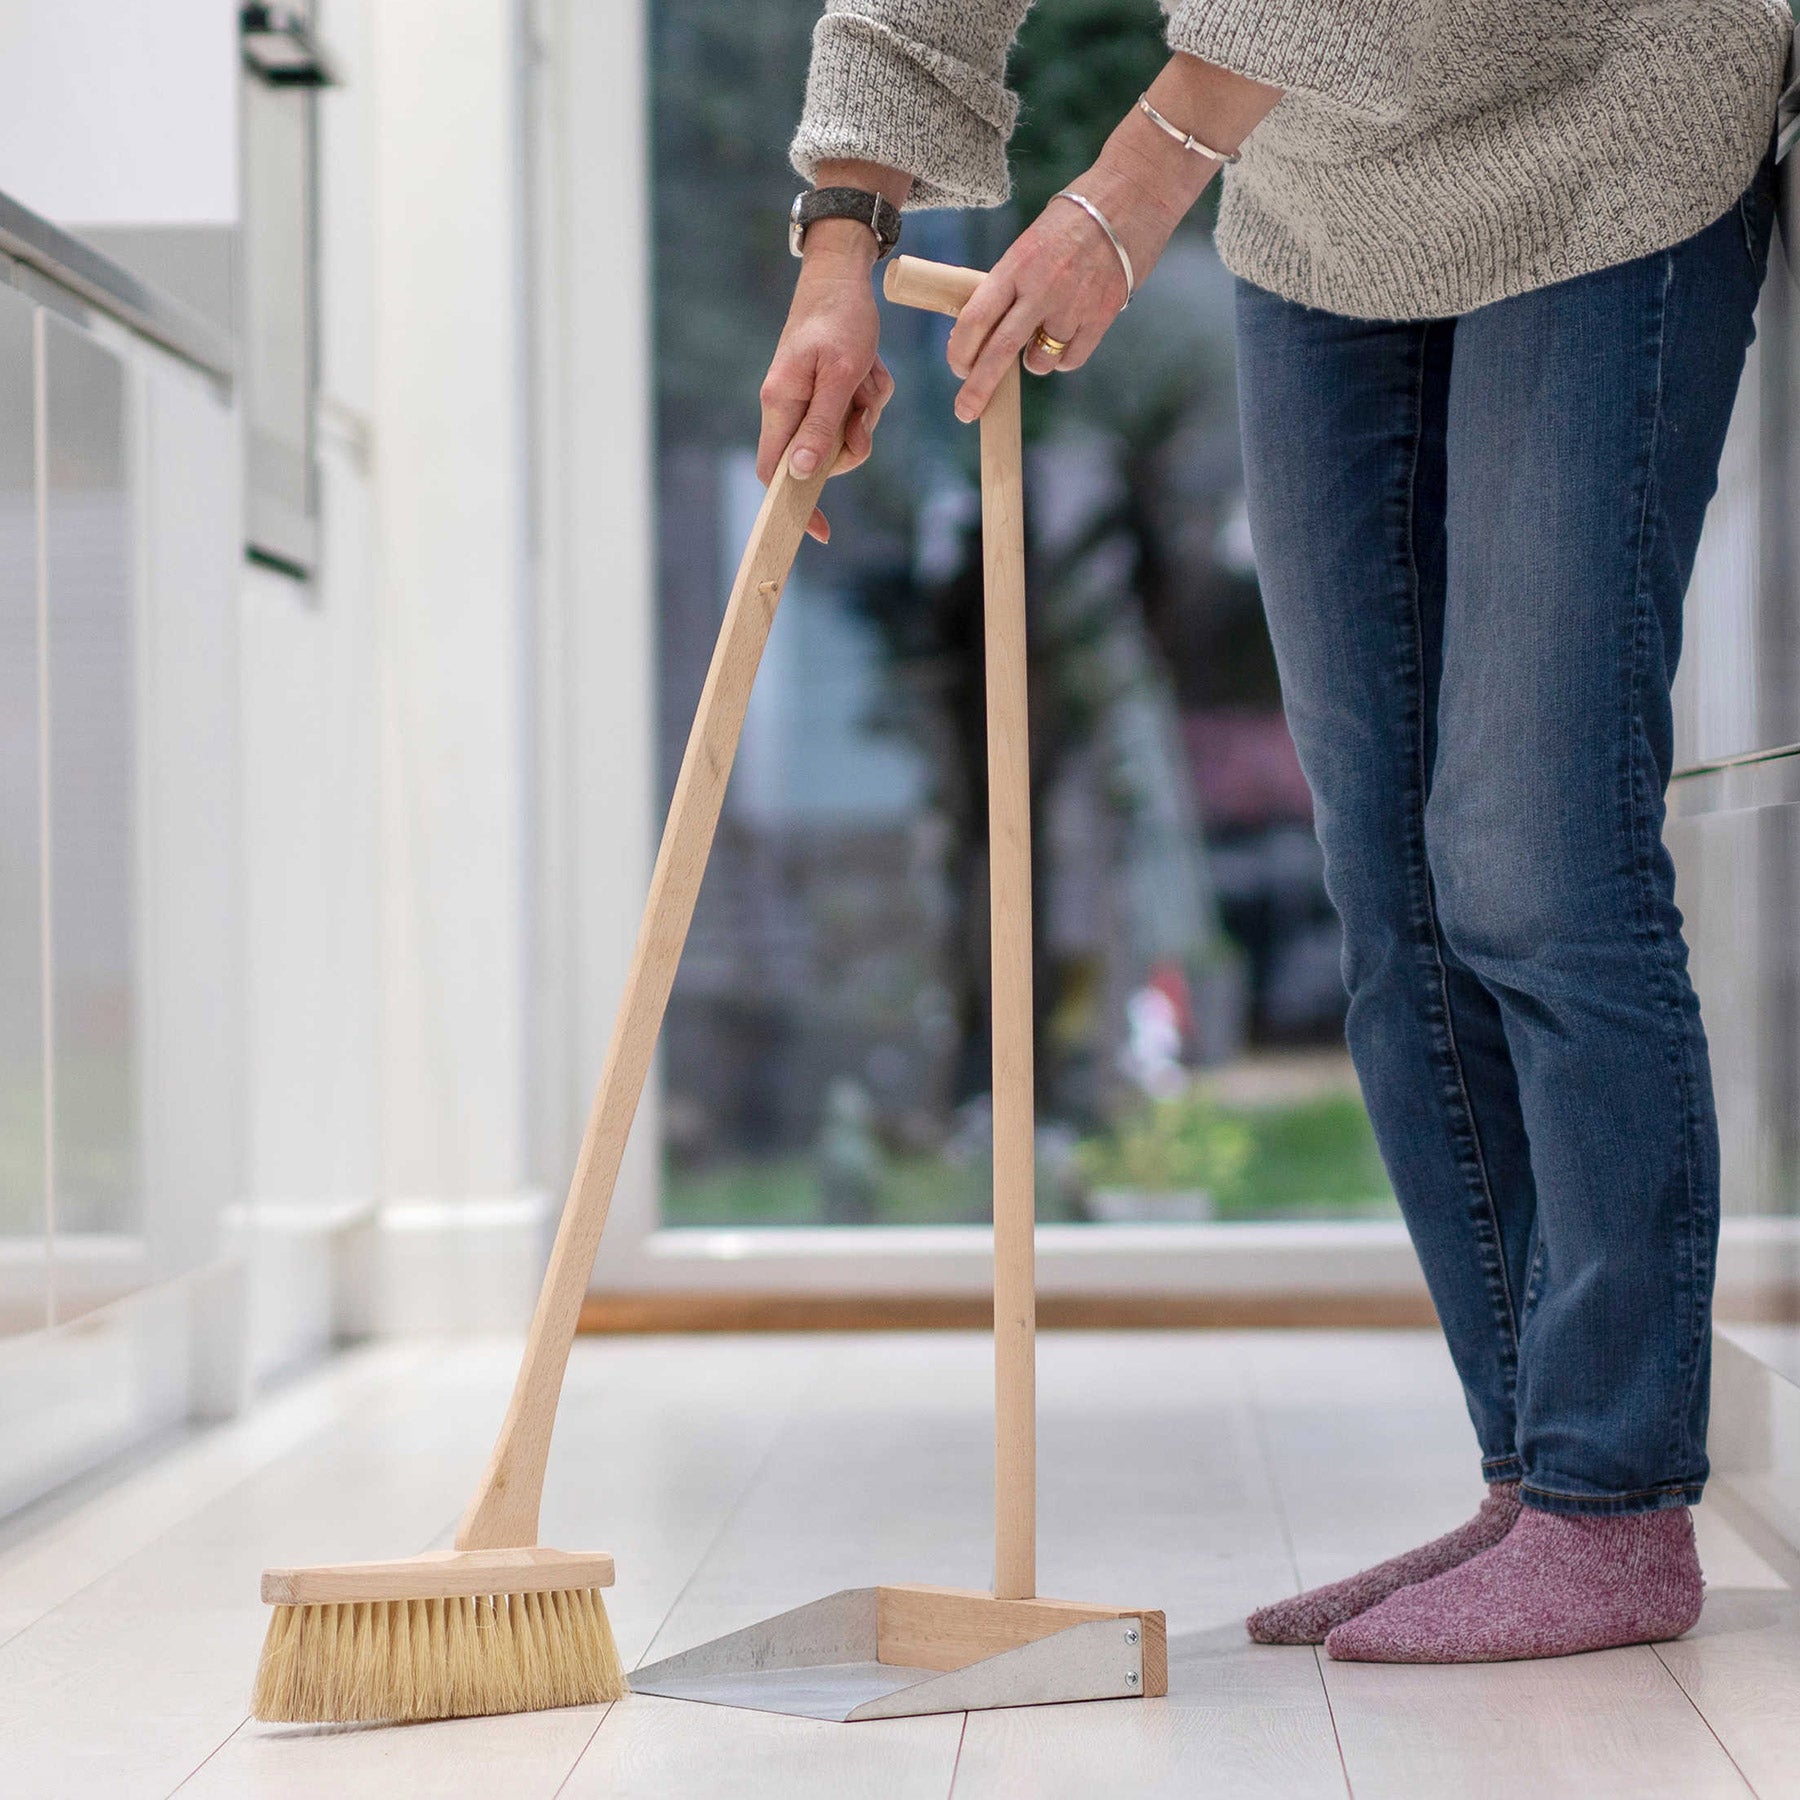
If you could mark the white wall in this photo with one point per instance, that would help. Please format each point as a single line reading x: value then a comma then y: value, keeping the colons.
x: 312, y: 742
x: 312, y: 784
x: 598, y: 815
x: 449, y: 448
x: 383, y: 722
x: 119, y: 112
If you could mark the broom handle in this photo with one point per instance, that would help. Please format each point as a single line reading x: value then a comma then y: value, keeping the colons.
x: 941, y: 288
x: 504, y: 1511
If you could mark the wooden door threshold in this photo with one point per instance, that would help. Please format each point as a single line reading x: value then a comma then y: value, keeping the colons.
x: 626, y: 1312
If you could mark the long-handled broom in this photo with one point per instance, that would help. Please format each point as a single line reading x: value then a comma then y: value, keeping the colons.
x: 499, y: 1624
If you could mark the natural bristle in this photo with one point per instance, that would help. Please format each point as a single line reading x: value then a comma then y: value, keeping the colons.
x: 390, y: 1660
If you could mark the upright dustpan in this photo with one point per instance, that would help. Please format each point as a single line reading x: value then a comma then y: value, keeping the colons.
x: 890, y: 1652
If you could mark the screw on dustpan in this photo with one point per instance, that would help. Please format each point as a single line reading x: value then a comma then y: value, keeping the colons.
x: 1131, y: 1677
x: 1131, y: 1636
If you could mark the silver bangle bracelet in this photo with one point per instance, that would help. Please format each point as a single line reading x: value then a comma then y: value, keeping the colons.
x: 1112, y: 237
x: 1185, y: 139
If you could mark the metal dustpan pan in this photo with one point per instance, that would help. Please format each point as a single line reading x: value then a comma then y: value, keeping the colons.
x: 890, y: 1652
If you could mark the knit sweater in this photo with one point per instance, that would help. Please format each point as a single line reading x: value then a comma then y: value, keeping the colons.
x: 1428, y: 156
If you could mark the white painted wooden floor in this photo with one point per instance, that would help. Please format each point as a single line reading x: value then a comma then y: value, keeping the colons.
x: 1199, y: 1472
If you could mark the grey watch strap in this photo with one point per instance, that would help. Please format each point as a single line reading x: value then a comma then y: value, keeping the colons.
x: 873, y: 210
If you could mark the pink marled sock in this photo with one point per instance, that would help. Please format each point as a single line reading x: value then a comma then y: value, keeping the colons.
x: 1307, y: 1617
x: 1558, y: 1583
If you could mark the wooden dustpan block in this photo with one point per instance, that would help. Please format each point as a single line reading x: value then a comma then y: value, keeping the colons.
x: 950, y: 1628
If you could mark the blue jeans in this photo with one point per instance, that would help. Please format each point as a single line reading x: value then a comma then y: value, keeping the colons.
x: 1474, y: 535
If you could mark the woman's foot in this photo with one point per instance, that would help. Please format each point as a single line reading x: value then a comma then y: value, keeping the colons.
x: 1557, y: 1584
x: 1307, y: 1617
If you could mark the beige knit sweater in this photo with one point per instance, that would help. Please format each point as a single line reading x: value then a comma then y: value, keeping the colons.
x: 1430, y: 155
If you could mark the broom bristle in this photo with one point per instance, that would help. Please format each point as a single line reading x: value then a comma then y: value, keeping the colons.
x: 388, y: 1660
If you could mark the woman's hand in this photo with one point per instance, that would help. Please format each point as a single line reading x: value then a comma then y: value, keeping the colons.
x: 825, y: 367
x: 826, y: 370
x: 1061, y: 273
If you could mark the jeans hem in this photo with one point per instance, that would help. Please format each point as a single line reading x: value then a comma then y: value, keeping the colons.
x: 1502, y: 1468
x: 1661, y: 1499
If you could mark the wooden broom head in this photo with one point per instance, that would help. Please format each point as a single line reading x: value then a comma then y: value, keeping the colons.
x: 444, y: 1636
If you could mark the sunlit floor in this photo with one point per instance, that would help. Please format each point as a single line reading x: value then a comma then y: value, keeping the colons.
x: 1201, y: 1473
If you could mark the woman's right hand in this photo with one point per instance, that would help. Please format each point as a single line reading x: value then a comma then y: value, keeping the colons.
x: 826, y: 367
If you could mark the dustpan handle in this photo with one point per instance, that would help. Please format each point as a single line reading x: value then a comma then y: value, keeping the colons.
x: 504, y: 1511
x: 1009, y: 909
x: 939, y: 287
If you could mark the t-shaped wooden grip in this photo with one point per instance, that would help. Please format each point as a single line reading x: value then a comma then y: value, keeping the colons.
x: 933, y: 286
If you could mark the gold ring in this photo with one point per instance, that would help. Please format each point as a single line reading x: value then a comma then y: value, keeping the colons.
x: 1042, y: 340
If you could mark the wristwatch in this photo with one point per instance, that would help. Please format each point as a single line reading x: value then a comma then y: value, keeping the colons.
x: 873, y: 210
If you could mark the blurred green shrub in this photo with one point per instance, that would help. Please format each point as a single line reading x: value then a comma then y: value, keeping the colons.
x: 1187, y: 1142
x: 1314, y: 1158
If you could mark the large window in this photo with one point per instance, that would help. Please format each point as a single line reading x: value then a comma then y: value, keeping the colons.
x: 826, y: 1051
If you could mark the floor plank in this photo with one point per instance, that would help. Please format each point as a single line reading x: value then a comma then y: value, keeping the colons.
x: 1369, y: 1444
x: 53, y: 1550
x: 128, y: 1685
x: 1240, y: 1720
x: 1741, y: 1665
x: 1606, y: 1727
x: 524, y: 1754
x: 651, y: 1749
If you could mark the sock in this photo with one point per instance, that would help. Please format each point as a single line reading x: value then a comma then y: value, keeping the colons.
x: 1557, y: 1584
x: 1307, y: 1617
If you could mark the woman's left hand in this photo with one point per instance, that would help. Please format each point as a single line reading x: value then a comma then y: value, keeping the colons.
x: 1060, y: 274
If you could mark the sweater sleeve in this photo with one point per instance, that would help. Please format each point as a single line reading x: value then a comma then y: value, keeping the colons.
x: 1325, y: 47
x: 919, y: 85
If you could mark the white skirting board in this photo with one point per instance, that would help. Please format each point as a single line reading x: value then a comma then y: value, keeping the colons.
x: 1755, y: 1439
x: 292, y: 1256
x: 293, y: 1281
x: 425, y: 1267
x: 87, y: 1390
x: 323, y: 1274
